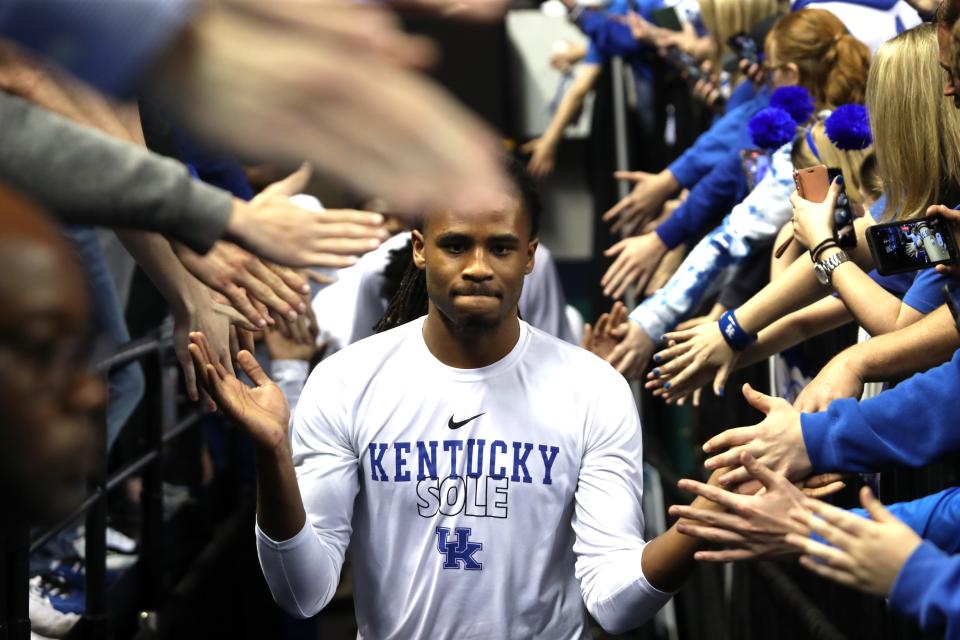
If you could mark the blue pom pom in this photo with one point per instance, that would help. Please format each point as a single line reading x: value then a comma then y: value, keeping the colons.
x: 772, y: 128
x: 848, y: 128
x: 795, y: 100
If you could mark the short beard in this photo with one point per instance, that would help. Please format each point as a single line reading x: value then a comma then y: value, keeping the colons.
x: 479, y: 324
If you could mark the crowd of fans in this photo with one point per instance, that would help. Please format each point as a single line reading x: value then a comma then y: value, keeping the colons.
x: 821, y: 194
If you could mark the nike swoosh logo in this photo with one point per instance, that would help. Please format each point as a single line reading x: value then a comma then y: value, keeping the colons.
x: 453, y: 424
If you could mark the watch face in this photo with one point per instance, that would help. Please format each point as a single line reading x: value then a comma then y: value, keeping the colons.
x: 821, y: 272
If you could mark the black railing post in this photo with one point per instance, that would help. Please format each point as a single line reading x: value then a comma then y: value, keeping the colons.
x: 15, y: 572
x: 95, y: 624
x: 151, y: 539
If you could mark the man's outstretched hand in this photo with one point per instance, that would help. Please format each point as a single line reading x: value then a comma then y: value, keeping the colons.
x: 261, y: 409
x: 276, y: 228
x: 335, y: 83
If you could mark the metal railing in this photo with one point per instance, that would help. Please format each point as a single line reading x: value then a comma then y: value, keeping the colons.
x: 160, y: 427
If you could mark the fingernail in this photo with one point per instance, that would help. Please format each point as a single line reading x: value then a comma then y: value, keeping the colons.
x: 373, y: 243
x: 657, y: 358
x: 720, y: 392
x: 292, y: 316
x: 261, y: 323
x: 666, y: 385
x: 305, y: 289
x: 663, y: 337
x: 656, y: 373
x: 301, y: 307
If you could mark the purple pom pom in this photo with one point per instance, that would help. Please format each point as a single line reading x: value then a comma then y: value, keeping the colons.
x: 848, y: 128
x: 795, y: 100
x: 772, y: 128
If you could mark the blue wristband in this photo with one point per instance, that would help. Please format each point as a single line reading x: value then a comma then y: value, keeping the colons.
x: 733, y: 333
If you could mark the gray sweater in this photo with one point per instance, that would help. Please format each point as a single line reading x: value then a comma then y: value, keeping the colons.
x: 84, y: 176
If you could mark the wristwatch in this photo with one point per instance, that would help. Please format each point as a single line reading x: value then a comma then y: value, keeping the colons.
x: 824, y: 268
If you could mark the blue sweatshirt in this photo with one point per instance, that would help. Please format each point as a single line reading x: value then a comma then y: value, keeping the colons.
x: 928, y: 586
x: 911, y: 425
x: 722, y: 138
x: 708, y: 201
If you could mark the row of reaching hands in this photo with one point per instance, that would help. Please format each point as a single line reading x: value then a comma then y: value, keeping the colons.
x: 761, y: 501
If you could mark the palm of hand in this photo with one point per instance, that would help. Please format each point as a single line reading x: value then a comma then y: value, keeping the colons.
x: 262, y: 410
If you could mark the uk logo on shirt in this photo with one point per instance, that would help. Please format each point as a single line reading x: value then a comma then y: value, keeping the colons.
x: 458, y: 554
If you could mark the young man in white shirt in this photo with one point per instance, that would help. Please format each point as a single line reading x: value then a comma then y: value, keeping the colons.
x: 488, y: 476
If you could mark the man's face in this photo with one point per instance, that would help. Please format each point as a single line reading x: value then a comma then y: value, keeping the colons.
x: 950, y: 87
x: 48, y: 393
x: 475, y: 264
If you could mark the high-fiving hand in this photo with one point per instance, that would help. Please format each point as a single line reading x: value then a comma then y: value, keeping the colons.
x: 262, y: 409
x: 776, y: 442
x: 864, y: 554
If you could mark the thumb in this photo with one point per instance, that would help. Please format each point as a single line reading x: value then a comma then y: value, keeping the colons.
x: 293, y: 184
x: 757, y: 400
x: 758, y: 470
x: 617, y: 248
x: 835, y: 188
x: 874, y: 507
x: 529, y: 147
x: 620, y: 330
x: 633, y: 176
x: 720, y: 380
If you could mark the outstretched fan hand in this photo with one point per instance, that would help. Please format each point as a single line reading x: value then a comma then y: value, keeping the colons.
x: 261, y: 409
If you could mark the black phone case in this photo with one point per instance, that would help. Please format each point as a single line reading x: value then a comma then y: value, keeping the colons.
x: 876, y: 253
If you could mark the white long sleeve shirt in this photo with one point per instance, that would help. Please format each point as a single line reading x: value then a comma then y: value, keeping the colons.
x: 484, y: 503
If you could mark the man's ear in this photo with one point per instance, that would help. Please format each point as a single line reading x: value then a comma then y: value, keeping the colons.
x: 418, y: 259
x: 531, y: 252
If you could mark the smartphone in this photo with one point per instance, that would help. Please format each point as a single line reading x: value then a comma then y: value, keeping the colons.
x: 843, y: 230
x: 745, y: 47
x: 812, y: 183
x: 667, y: 18
x: 911, y: 245
x: 685, y: 63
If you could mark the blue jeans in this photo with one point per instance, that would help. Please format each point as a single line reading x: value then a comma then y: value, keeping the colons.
x: 125, y: 385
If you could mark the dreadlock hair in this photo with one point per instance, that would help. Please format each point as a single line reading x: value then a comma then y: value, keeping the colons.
x: 408, y: 299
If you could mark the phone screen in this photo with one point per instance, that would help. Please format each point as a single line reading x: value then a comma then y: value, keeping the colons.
x: 843, y: 229
x: 911, y: 245
x: 667, y: 18
x: 745, y: 47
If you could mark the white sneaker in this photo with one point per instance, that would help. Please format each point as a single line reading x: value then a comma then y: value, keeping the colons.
x: 120, y: 542
x: 120, y: 549
x: 44, y: 618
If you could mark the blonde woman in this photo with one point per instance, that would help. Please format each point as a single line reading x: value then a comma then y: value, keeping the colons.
x: 810, y: 49
x: 903, y: 86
